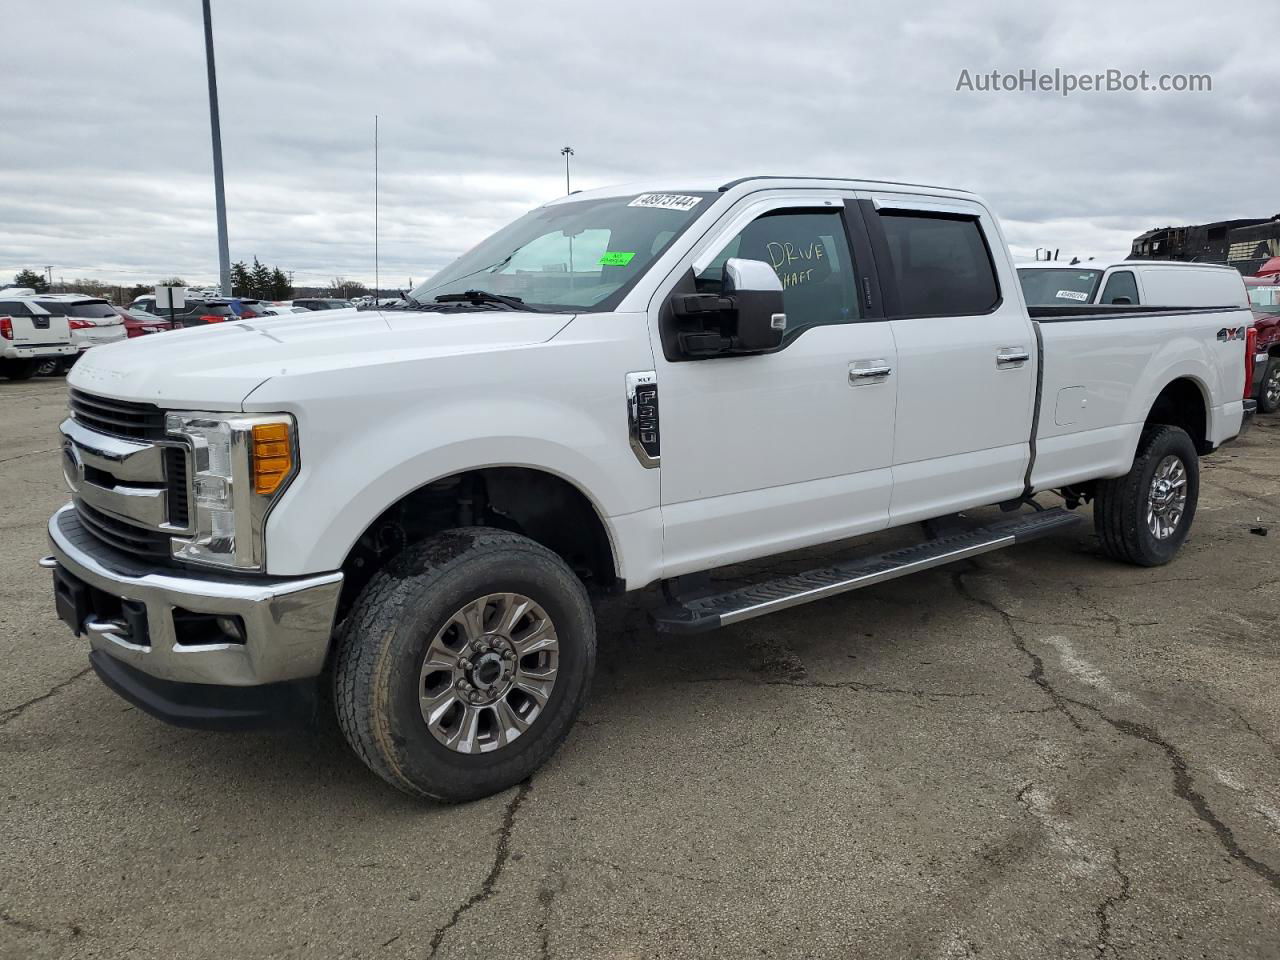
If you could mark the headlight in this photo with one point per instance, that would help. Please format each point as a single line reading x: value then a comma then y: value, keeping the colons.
x: 238, y: 466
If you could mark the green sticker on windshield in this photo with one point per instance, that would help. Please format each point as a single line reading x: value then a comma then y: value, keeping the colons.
x: 616, y: 258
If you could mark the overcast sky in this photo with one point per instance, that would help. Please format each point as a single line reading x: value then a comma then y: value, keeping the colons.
x: 104, y: 124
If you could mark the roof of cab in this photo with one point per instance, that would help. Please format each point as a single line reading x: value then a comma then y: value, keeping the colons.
x: 721, y: 185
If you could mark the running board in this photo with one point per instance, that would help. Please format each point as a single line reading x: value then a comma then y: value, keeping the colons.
x: 698, y: 614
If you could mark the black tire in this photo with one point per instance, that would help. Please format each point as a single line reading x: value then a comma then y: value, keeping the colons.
x: 48, y: 367
x: 385, y: 638
x: 1120, y: 505
x: 18, y: 369
x: 1269, y: 390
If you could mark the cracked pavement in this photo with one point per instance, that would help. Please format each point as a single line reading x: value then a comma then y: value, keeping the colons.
x: 1040, y: 753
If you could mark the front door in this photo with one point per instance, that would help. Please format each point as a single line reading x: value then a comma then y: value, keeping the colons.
x: 761, y: 454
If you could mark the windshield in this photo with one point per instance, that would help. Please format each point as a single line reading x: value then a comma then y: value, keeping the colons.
x: 1266, y: 299
x: 1047, y: 288
x: 581, y: 255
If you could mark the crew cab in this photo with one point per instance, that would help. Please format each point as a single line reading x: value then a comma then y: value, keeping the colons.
x: 30, y: 337
x: 632, y: 386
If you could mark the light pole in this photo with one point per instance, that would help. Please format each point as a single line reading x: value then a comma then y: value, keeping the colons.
x: 566, y: 152
x: 219, y: 198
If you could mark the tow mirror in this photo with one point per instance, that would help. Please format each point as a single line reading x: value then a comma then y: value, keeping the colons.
x: 756, y: 292
x: 747, y: 317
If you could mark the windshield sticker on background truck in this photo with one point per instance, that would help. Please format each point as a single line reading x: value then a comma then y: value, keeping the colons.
x: 665, y: 201
x: 616, y: 258
x: 1071, y: 295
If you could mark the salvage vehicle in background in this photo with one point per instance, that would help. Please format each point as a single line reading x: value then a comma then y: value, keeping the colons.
x: 32, y: 339
x: 416, y: 507
x: 1264, y: 297
x: 1145, y: 282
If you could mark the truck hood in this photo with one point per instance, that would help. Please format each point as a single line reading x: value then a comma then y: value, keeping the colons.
x: 215, y: 367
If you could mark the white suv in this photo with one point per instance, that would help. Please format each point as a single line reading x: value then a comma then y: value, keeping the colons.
x: 29, y: 337
x: 93, y: 321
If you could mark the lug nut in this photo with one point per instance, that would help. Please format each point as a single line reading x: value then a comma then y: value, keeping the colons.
x: 464, y: 663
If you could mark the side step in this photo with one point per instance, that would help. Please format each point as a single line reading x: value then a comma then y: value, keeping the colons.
x: 698, y: 614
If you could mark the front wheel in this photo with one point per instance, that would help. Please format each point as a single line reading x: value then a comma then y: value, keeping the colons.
x: 1269, y: 393
x: 462, y: 665
x: 1144, y: 516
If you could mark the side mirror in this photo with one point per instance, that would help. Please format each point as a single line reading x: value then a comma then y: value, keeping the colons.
x: 746, y: 317
x: 756, y: 293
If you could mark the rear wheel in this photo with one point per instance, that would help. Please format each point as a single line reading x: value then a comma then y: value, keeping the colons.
x: 462, y: 665
x: 18, y: 369
x: 47, y: 367
x: 1269, y: 393
x: 1144, y: 516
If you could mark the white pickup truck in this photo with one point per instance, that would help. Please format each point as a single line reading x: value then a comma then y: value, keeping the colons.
x: 631, y: 386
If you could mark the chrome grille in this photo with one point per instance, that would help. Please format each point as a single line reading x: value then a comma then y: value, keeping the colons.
x: 129, y: 480
x: 119, y: 418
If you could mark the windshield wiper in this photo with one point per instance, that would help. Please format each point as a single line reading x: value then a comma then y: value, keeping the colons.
x: 484, y: 296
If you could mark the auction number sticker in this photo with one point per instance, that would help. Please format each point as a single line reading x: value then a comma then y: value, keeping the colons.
x: 1071, y: 295
x: 665, y: 201
x: 616, y: 258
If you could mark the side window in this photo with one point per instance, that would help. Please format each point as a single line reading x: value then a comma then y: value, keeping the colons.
x: 14, y: 309
x: 941, y: 264
x: 1120, y: 285
x: 809, y: 253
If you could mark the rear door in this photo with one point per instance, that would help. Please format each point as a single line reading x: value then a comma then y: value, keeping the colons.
x: 967, y: 354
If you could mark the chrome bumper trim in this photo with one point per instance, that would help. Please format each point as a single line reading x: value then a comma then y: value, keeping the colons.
x: 288, y: 623
x: 123, y: 459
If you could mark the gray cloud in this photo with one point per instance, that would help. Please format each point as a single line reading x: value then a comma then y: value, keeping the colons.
x: 107, y: 168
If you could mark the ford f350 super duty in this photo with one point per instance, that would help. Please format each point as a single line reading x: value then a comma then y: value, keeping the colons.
x: 412, y: 509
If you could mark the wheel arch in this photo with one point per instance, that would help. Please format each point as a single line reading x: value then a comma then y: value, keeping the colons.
x: 1184, y: 402
x: 532, y: 500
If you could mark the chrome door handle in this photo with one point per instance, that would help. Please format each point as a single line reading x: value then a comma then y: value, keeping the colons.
x: 876, y: 370
x: 1012, y: 357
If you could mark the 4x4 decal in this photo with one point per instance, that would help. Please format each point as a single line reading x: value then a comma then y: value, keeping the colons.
x: 1232, y: 333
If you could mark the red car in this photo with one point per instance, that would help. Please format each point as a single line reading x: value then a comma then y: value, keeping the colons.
x: 138, y: 323
x: 1264, y: 296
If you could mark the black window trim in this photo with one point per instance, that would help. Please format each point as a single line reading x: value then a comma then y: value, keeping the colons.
x: 1102, y: 290
x: 884, y: 263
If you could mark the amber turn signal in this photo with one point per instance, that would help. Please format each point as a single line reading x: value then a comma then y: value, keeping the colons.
x: 272, y: 456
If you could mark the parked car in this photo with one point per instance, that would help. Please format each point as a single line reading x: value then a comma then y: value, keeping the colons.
x: 422, y: 504
x: 32, y: 339
x: 321, y: 303
x: 281, y: 311
x: 1264, y: 297
x: 1132, y: 282
x: 139, y: 323
x: 193, y: 313
x: 93, y: 320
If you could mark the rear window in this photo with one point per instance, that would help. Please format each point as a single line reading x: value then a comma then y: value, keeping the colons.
x: 93, y: 310
x: 57, y: 308
x: 1059, y: 288
x: 941, y: 264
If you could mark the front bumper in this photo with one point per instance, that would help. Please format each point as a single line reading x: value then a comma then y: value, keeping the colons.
x: 128, y: 609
